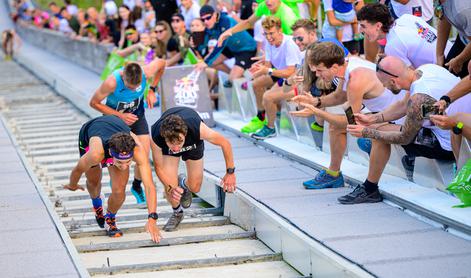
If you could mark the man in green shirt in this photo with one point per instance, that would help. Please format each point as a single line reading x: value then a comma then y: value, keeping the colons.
x: 72, y: 20
x: 268, y: 7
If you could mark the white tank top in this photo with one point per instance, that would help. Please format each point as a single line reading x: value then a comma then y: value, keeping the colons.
x: 436, y: 81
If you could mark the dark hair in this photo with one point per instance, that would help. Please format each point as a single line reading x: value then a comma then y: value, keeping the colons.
x: 52, y: 4
x: 132, y: 73
x: 62, y: 9
x: 327, y: 53
x: 122, y: 142
x: 171, y: 128
x: 307, y: 24
x: 376, y: 12
x: 67, y: 2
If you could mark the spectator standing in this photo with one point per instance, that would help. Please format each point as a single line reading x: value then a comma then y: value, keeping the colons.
x: 190, y: 10
x: 164, y: 9
x: 72, y: 20
x: 71, y: 8
x: 419, y: 8
x: 457, y: 14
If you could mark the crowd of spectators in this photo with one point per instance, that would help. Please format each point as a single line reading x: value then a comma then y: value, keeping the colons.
x: 276, y: 41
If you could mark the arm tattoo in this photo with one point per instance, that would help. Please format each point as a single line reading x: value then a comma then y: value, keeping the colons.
x: 411, y: 127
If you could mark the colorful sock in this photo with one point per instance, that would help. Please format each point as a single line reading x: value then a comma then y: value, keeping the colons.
x: 261, y: 115
x: 97, y: 202
x: 178, y: 209
x: 136, y: 185
x: 370, y: 187
x: 333, y: 173
x: 110, y: 214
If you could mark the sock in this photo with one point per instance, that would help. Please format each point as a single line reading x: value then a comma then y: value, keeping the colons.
x: 370, y: 187
x: 333, y: 173
x: 97, y: 202
x: 110, y: 214
x: 136, y: 185
x: 178, y: 209
x: 261, y: 115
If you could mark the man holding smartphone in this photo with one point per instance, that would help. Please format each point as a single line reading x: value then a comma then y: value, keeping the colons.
x: 358, y: 85
x: 417, y: 135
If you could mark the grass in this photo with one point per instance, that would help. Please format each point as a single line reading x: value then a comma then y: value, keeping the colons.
x: 83, y: 4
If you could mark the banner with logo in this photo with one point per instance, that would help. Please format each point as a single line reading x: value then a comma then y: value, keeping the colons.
x: 183, y: 86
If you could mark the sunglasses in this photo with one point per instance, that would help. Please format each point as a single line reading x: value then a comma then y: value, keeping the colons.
x: 300, y: 39
x: 204, y: 19
x: 380, y: 69
x: 159, y: 31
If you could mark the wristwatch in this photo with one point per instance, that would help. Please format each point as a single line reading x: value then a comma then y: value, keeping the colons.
x: 230, y: 170
x: 458, y: 128
x: 270, y: 72
x: 153, y: 215
x: 152, y: 88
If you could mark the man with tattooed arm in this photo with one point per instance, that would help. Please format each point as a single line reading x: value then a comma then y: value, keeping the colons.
x: 418, y: 136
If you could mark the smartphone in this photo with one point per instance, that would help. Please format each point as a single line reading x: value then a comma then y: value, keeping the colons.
x: 428, y: 109
x: 299, y: 70
x: 350, y: 116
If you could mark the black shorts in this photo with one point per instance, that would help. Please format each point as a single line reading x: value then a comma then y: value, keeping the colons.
x: 83, y: 149
x: 140, y: 127
x: 435, y: 152
x: 242, y: 59
x: 195, y: 154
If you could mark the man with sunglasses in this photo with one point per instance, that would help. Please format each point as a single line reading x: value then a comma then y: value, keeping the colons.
x: 179, y: 42
x: 107, y: 141
x: 124, y: 93
x: 417, y: 135
x: 242, y: 47
x: 409, y: 37
x: 357, y: 85
x: 281, y: 56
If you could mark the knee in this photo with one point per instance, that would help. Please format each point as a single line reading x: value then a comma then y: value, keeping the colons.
x: 194, y: 184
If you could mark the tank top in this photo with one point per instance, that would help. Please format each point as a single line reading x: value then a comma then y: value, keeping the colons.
x: 125, y: 100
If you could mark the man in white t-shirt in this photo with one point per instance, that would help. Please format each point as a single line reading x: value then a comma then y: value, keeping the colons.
x: 419, y: 8
x: 409, y: 37
x: 417, y: 135
x: 281, y: 56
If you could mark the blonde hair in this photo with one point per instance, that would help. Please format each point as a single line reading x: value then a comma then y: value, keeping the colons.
x: 270, y: 22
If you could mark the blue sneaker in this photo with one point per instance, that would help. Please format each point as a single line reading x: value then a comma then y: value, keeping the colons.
x: 140, y: 196
x: 324, y: 180
x: 364, y: 144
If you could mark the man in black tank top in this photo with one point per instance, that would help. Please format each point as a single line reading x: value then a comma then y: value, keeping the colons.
x: 107, y: 141
x: 180, y: 132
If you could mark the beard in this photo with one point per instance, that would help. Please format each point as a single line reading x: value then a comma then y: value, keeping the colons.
x: 396, y: 91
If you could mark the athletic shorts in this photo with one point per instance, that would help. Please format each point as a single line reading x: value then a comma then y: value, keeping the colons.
x: 140, y: 127
x: 431, y: 149
x: 242, y: 59
x: 195, y: 154
x: 83, y: 149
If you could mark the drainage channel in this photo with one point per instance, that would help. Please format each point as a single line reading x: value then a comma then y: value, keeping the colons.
x: 206, y: 245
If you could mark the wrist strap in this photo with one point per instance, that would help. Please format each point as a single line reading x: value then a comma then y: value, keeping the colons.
x: 319, y: 102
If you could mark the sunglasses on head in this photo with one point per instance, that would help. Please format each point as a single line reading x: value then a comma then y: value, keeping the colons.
x: 380, y: 69
x: 204, y: 19
x: 300, y: 39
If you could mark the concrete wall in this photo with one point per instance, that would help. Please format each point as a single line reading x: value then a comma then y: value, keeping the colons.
x: 80, y: 51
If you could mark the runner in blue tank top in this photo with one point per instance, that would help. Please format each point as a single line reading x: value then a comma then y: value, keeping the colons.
x: 124, y: 93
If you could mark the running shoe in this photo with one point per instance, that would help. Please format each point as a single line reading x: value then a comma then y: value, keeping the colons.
x: 139, y: 195
x: 364, y: 144
x: 254, y: 125
x: 187, y: 197
x: 324, y: 180
x: 316, y: 127
x: 264, y: 133
x: 99, y: 216
x: 111, y: 229
x: 408, y: 163
x: 359, y: 195
x: 173, y: 221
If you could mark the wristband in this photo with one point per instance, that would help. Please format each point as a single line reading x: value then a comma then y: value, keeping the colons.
x: 319, y: 102
x: 153, y: 215
x: 230, y: 170
x: 446, y: 99
x: 458, y: 128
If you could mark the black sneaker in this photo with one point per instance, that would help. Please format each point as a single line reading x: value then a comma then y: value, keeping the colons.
x: 359, y: 195
x: 111, y: 229
x: 173, y: 221
x: 99, y: 217
x: 408, y: 164
x: 187, y: 197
